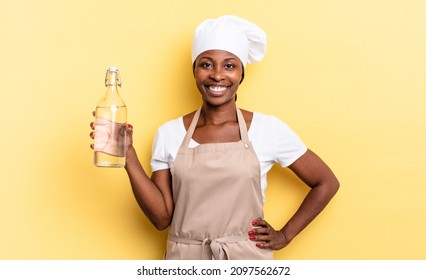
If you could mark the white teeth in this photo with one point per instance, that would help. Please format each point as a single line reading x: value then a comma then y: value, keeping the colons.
x: 216, y: 89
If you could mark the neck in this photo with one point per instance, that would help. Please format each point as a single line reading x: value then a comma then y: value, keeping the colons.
x: 218, y: 115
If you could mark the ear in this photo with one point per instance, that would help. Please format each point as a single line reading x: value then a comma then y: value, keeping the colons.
x: 193, y: 68
x: 242, y: 77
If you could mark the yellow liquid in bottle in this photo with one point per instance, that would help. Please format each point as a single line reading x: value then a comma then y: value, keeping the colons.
x: 110, y: 136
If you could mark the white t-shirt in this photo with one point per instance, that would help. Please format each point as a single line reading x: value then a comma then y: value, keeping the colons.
x: 272, y: 140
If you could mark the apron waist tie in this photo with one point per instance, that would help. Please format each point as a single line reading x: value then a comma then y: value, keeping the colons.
x: 220, y: 250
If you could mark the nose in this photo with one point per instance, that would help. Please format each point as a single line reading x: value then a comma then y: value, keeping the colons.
x: 217, y: 74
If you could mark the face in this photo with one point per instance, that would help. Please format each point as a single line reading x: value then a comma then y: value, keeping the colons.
x: 218, y: 75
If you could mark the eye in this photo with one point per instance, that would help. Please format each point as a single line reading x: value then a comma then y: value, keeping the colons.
x: 229, y: 66
x: 205, y: 64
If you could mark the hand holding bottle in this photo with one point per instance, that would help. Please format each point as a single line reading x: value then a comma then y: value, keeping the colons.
x: 111, y: 138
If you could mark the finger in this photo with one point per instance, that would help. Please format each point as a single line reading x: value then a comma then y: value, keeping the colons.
x: 260, y: 227
x: 269, y: 245
x: 260, y: 223
x: 122, y: 130
x: 129, y: 130
x: 263, y: 237
x: 255, y: 222
x: 259, y: 231
x: 100, y: 120
x: 263, y: 245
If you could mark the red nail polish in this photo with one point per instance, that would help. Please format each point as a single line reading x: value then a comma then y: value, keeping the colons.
x: 251, y: 232
x: 254, y: 223
x: 129, y: 126
x: 258, y: 245
x: 252, y: 237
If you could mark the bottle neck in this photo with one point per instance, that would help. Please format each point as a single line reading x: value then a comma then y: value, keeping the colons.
x: 112, y: 79
x: 112, y: 96
x: 112, y: 90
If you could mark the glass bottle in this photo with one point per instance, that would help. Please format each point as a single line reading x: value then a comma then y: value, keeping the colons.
x: 110, y: 124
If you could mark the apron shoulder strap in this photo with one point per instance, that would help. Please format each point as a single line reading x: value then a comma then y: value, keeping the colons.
x: 243, y: 127
x: 191, y: 129
x: 193, y: 125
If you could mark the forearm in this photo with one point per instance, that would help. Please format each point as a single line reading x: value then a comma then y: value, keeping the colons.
x: 148, y: 195
x: 315, y: 201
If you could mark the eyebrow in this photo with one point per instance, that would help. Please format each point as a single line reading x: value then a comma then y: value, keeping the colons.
x: 209, y: 58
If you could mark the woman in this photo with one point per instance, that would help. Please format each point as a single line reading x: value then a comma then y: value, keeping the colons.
x: 209, y: 167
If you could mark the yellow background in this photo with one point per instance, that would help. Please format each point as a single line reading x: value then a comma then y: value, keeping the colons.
x: 347, y: 76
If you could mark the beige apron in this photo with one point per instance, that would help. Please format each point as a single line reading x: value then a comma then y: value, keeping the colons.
x: 217, y: 194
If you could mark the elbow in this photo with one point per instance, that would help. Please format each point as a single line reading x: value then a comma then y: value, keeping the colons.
x: 161, y: 220
x: 161, y: 224
x: 328, y: 187
x: 161, y: 227
x: 334, y: 186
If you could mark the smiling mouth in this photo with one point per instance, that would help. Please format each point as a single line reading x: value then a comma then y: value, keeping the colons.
x: 217, y: 89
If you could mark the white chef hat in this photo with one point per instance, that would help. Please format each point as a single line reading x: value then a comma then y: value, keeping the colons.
x: 230, y: 33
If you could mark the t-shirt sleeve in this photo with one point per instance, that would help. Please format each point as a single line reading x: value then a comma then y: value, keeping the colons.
x: 159, y: 158
x: 288, y: 146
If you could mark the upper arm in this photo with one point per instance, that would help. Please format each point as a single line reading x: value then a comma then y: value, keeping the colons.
x: 313, y: 171
x: 163, y: 180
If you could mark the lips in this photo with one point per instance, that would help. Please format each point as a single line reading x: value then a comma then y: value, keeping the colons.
x: 216, y: 90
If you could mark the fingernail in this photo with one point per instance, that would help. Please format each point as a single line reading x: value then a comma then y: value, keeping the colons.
x: 254, y: 223
x: 252, y: 237
x: 251, y: 232
x: 129, y: 126
x: 258, y: 245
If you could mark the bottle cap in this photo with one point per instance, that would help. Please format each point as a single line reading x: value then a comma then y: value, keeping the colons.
x: 113, y: 69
